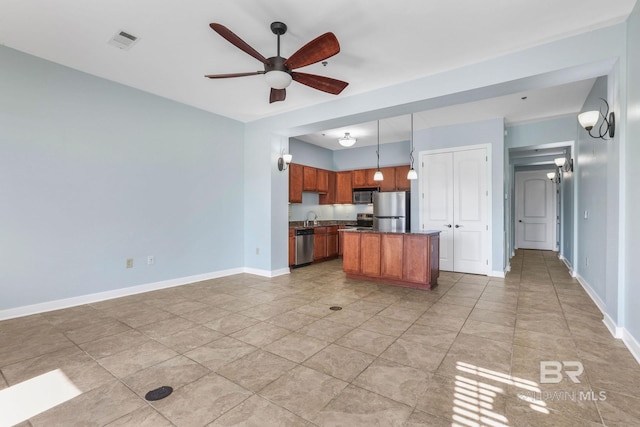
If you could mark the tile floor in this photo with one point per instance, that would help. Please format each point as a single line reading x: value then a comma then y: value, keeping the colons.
x: 251, y: 351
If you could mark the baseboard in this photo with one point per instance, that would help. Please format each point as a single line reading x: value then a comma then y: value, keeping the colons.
x: 28, y: 310
x: 631, y: 343
x: 589, y: 290
x: 568, y: 265
x: 266, y: 273
x: 614, y: 329
x: 496, y: 273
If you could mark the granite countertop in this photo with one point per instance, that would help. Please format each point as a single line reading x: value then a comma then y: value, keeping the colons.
x: 322, y: 223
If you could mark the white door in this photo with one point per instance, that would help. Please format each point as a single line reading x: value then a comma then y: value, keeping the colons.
x: 455, y: 203
x: 437, y: 178
x: 470, y: 211
x: 535, y: 211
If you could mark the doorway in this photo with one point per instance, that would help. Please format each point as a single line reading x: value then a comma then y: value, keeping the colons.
x: 455, y: 202
x: 536, y: 213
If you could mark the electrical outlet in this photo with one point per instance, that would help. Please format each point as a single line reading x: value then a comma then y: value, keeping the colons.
x: 151, y: 260
x: 586, y: 214
x: 586, y: 261
x: 129, y: 262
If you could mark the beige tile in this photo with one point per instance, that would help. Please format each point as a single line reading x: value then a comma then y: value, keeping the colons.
x: 498, y: 318
x: 422, y: 419
x: 368, y: 307
x: 231, y: 323
x: 264, y: 311
x: 366, y: 341
x: 398, y: 382
x: 386, y: 325
x: 296, y: 347
x: 190, y: 338
x: 136, y: 358
x: 414, y: 354
x: 205, y: 315
x: 325, y: 330
x: 458, y: 300
x: 84, y: 372
x: 399, y: 312
x: 449, y: 310
x: 348, y: 317
x: 488, y: 330
x: 340, y: 362
x: 166, y: 327
x: 113, y: 344
x: 259, y: 412
x: 261, y: 334
x: 97, y: 330
x: 358, y: 407
x: 185, y: 307
x: 438, y: 321
x: 291, y: 391
x: 431, y: 336
x: 256, y: 370
x: 618, y: 409
x: 142, y: 417
x: 292, y: 320
x: 218, y: 353
x: 97, y: 407
x: 175, y: 373
x: 202, y: 401
x: 531, y: 414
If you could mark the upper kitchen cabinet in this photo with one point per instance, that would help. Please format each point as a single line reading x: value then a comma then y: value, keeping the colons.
x: 363, y: 178
x: 322, y: 180
x: 402, y: 183
x: 389, y: 181
x: 295, y: 183
x: 310, y: 178
x: 344, y: 187
x: 329, y: 197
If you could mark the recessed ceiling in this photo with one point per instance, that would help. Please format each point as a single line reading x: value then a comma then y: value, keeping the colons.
x: 516, y: 108
x: 382, y: 43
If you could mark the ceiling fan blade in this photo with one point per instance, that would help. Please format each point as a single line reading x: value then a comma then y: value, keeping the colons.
x: 225, y: 76
x: 228, y: 35
x: 325, y: 84
x: 277, y: 95
x: 318, y: 49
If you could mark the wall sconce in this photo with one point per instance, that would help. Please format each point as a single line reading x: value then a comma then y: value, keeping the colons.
x: 589, y: 119
x: 284, y: 160
x: 554, y: 176
x: 561, y: 162
x: 347, y: 140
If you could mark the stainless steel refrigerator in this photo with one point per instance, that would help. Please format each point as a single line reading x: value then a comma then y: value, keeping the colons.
x: 391, y: 211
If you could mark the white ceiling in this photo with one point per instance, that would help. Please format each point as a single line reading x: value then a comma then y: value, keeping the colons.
x: 382, y: 44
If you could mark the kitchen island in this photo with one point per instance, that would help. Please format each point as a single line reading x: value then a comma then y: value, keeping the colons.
x: 410, y: 259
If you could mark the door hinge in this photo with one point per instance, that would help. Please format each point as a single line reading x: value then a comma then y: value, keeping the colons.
x: 487, y: 262
x: 423, y: 196
x: 486, y: 193
x: 487, y: 227
x: 486, y: 158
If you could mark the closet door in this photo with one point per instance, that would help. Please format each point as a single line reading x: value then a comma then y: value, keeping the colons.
x: 470, y: 211
x: 455, y: 201
x: 437, y: 184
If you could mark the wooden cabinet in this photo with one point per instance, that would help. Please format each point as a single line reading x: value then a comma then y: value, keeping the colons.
x: 295, y: 183
x: 403, y: 259
x: 344, y: 187
x: 322, y: 180
x: 320, y: 243
x: 402, y: 183
x: 391, y: 255
x: 351, y: 254
x: 389, y: 181
x: 292, y: 247
x: 340, y: 240
x: 329, y: 197
x: 332, y: 241
x: 359, y: 178
x: 370, y: 254
x: 309, y: 179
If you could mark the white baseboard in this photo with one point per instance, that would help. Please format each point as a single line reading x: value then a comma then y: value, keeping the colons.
x: 568, y: 265
x: 631, y: 343
x: 614, y: 329
x: 496, y: 273
x: 28, y: 310
x: 589, y: 290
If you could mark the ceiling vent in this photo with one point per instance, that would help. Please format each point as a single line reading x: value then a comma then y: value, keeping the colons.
x: 123, y: 40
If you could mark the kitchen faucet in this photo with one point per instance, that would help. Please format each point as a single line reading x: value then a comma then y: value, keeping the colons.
x: 315, y: 218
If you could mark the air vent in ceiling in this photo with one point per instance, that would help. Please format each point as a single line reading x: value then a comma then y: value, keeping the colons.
x: 123, y: 40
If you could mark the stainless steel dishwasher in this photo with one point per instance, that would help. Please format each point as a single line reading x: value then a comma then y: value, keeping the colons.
x: 304, y: 247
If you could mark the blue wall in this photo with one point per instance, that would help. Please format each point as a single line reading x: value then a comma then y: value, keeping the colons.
x: 93, y: 173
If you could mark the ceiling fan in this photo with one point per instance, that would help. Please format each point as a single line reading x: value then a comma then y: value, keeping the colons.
x: 278, y: 71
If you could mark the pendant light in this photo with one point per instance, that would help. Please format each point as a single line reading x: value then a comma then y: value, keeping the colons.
x: 378, y: 175
x: 412, y: 174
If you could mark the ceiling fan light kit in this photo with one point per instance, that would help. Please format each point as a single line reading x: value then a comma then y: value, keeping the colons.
x: 278, y: 71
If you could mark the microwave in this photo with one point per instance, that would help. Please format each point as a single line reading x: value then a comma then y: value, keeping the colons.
x: 363, y: 196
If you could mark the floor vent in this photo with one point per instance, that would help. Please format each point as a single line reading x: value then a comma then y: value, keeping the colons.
x: 123, y: 40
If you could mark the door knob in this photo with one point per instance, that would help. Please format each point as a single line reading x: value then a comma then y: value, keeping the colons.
x: 519, y: 220
x: 448, y: 225
x: 458, y: 226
